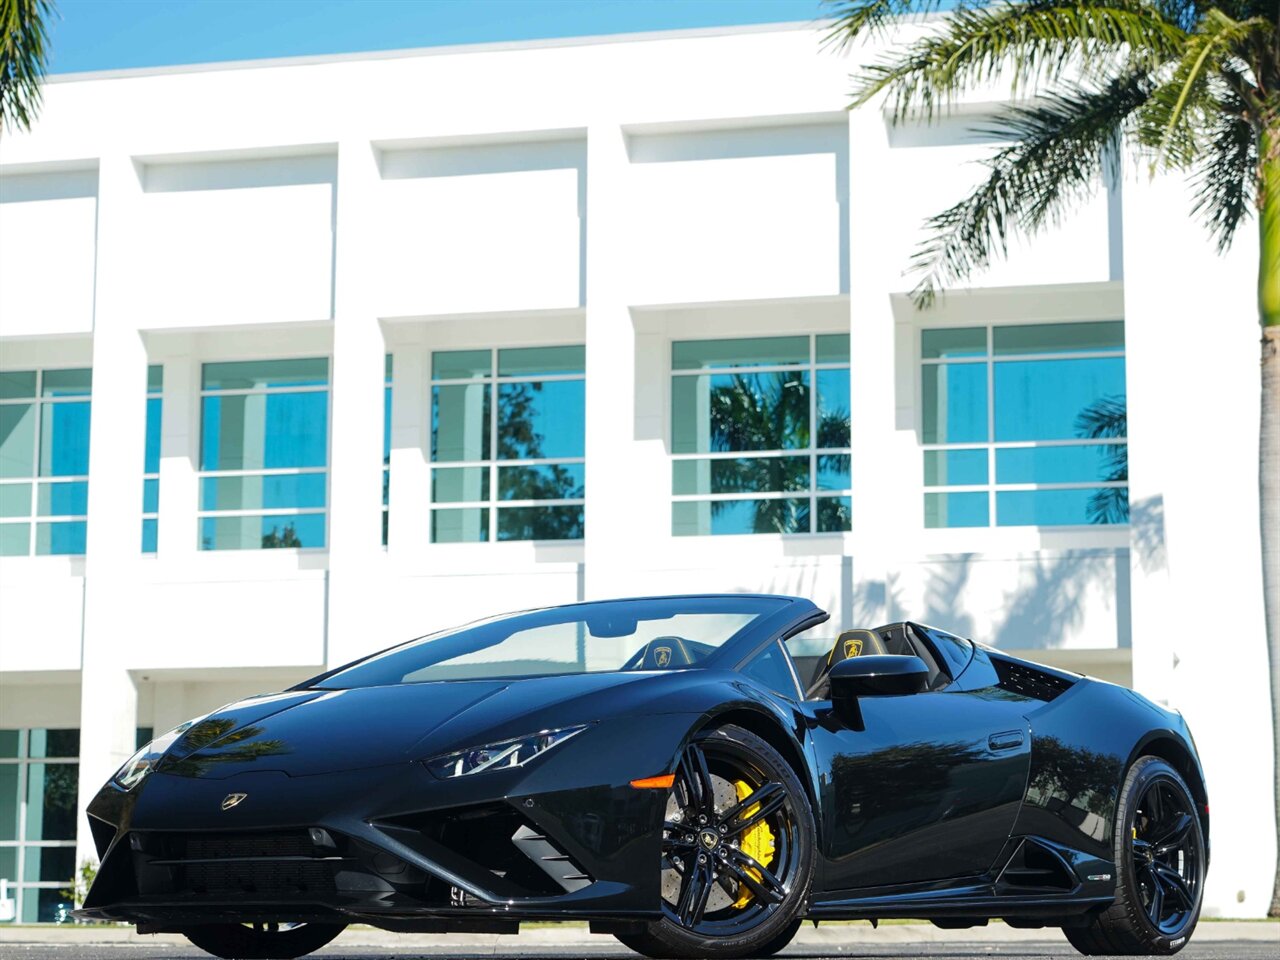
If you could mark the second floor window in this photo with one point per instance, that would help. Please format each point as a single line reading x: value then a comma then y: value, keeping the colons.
x: 1025, y: 425
x: 760, y: 435
x: 264, y: 453
x: 508, y: 434
x: 44, y: 461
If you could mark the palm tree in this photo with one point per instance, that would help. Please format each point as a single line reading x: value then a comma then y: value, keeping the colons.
x: 1192, y: 85
x: 24, y: 42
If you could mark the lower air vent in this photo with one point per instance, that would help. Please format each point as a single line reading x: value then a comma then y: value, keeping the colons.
x: 1034, y: 866
x: 1029, y: 682
x: 550, y: 859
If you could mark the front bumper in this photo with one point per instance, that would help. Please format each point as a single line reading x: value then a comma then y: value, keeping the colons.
x: 565, y: 838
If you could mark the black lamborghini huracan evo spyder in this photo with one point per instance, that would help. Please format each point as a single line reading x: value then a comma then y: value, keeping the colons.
x: 690, y: 774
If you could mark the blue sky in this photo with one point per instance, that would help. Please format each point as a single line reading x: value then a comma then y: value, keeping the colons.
x: 109, y: 34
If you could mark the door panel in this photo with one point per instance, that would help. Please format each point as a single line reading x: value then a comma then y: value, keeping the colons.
x: 928, y: 790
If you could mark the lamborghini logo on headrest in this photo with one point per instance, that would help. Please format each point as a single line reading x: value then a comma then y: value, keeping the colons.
x: 662, y: 656
x: 853, y: 648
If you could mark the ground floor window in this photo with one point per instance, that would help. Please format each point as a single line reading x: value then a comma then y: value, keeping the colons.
x: 38, y: 783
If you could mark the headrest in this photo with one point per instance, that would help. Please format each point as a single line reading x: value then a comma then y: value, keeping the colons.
x: 855, y: 643
x: 666, y: 653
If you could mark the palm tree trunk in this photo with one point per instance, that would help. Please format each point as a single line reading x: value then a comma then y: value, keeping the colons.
x: 1269, y: 439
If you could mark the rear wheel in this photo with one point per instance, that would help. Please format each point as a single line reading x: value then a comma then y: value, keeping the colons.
x: 1160, y: 866
x: 262, y: 941
x: 737, y: 852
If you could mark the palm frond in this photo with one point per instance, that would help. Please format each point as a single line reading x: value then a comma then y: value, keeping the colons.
x: 1058, y: 153
x: 1174, y: 120
x: 1225, y: 174
x: 24, y: 42
x: 1031, y: 42
x: 852, y: 18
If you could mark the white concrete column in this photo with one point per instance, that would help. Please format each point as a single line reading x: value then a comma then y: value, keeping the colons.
x: 883, y: 464
x: 628, y: 477
x: 410, y: 499
x: 177, y: 536
x: 1198, y: 640
x: 355, y: 431
x: 108, y: 697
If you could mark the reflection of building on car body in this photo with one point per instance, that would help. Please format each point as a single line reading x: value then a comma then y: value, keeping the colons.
x: 695, y: 775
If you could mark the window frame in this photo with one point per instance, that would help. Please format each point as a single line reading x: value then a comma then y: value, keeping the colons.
x: 33, y: 518
x: 494, y: 503
x: 991, y: 445
x: 23, y: 761
x: 153, y: 393
x: 811, y: 367
x: 200, y: 513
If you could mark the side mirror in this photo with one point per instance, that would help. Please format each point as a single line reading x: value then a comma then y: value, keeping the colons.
x: 878, y: 675
x: 875, y: 675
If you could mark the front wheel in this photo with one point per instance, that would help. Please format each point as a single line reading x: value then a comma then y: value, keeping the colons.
x: 262, y: 941
x: 737, y: 852
x: 1160, y: 868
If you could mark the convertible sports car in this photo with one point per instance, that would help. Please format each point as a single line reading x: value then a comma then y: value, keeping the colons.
x: 694, y: 775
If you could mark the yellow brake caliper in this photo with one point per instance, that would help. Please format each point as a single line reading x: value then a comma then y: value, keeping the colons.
x: 756, y: 843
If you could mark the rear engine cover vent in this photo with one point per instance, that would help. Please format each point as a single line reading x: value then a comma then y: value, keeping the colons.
x: 1030, y: 682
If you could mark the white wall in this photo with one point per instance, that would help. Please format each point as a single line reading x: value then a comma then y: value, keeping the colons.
x: 47, y: 244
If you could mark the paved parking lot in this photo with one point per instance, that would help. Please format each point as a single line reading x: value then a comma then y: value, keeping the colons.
x: 1216, y: 941
x: 1211, y: 950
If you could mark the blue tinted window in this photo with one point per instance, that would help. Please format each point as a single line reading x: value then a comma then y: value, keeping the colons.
x: 539, y: 420
x: 1062, y: 507
x: 1046, y: 399
x: 954, y: 400
x: 151, y: 461
x: 955, y: 510
x: 1057, y: 390
x: 535, y: 411
x: 259, y: 416
x: 802, y: 409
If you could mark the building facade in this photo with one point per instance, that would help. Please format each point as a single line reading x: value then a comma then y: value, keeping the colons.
x: 299, y: 359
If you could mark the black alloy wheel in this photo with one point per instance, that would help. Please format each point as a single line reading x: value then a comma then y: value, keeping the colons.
x: 737, y: 852
x: 1160, y: 863
x: 262, y: 941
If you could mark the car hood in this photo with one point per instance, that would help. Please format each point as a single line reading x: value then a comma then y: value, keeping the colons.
x: 315, y: 731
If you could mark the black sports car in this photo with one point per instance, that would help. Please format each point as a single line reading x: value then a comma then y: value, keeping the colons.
x: 694, y: 775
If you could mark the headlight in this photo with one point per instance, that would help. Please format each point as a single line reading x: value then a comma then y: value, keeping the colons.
x: 500, y: 756
x: 143, y: 762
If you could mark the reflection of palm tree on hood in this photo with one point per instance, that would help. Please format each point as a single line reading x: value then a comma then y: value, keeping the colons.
x: 1107, y: 418
x: 769, y: 412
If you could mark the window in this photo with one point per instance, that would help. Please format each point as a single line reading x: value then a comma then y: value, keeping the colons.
x: 44, y: 461
x: 772, y: 668
x: 38, y: 775
x: 1025, y: 425
x: 264, y: 439
x: 386, y: 451
x: 507, y: 442
x: 760, y: 435
x: 151, y: 460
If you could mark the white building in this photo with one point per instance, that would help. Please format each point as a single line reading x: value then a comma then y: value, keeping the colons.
x: 233, y: 266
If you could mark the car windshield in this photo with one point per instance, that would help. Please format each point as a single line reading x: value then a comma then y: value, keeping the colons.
x: 662, y: 634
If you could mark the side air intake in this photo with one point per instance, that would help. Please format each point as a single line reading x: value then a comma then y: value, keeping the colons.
x: 1027, y: 681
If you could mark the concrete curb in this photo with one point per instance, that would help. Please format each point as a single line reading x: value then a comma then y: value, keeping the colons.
x: 827, y: 935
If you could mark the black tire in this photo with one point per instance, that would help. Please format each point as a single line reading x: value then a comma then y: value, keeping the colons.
x: 775, y: 896
x: 262, y: 941
x: 1160, y: 868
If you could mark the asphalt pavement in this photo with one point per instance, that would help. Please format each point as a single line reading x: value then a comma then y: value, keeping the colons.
x: 1215, y: 941
x: 1212, y: 950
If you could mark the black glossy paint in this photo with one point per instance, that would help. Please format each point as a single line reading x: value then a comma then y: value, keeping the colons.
x: 991, y: 794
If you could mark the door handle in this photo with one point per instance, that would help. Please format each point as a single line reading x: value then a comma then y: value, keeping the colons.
x: 1007, y: 740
